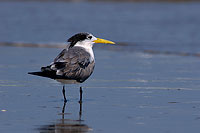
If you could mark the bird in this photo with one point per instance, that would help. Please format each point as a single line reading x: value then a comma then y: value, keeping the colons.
x: 75, y: 63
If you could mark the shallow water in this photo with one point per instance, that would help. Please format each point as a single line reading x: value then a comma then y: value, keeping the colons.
x: 146, y: 93
x: 165, y: 23
x: 148, y: 83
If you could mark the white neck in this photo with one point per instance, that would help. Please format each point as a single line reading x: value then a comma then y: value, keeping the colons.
x: 88, y: 48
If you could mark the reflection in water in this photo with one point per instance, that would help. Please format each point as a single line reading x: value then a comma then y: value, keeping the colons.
x: 66, y: 125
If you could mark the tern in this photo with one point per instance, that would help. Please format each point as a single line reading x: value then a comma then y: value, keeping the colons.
x: 75, y: 63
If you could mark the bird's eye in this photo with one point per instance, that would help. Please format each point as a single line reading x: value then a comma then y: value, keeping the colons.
x: 90, y: 37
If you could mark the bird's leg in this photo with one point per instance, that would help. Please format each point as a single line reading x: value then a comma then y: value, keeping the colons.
x: 65, y: 100
x: 81, y: 93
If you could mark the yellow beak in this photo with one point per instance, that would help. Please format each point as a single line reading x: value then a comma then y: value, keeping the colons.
x: 99, y: 40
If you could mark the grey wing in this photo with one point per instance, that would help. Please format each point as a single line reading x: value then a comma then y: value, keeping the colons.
x: 60, y: 56
x: 73, y: 63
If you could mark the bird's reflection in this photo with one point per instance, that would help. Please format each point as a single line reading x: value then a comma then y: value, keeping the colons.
x: 66, y: 125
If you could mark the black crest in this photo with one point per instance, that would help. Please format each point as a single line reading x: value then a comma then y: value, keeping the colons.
x: 78, y: 37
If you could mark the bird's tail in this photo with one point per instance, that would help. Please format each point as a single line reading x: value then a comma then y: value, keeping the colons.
x: 45, y: 72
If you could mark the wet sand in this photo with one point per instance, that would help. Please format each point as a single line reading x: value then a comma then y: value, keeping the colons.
x: 128, y: 92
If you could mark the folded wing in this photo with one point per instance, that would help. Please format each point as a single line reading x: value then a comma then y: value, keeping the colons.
x: 73, y: 63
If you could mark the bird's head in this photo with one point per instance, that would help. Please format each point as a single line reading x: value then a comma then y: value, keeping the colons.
x: 86, y: 39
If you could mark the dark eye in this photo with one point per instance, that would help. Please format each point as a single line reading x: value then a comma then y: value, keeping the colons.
x: 90, y: 37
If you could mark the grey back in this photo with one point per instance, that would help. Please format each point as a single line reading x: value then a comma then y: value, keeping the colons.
x: 73, y: 63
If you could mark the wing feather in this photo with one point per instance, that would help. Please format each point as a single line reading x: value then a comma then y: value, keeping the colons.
x: 73, y: 63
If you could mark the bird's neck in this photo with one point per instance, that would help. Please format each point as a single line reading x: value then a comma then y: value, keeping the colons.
x: 89, y: 49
